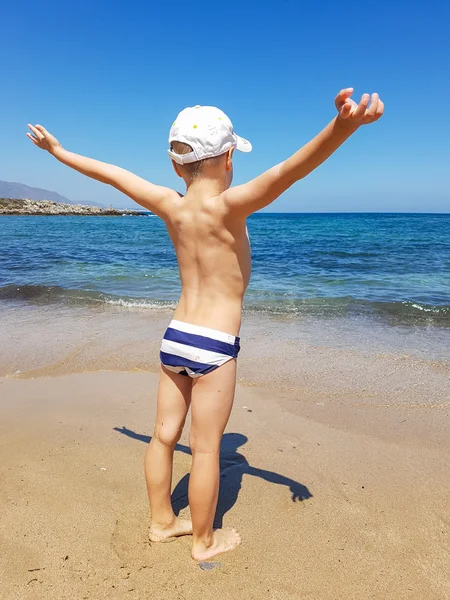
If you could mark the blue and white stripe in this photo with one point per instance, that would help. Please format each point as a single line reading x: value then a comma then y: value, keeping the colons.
x: 194, y: 350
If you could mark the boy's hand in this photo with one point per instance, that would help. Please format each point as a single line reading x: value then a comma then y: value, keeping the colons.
x: 43, y: 139
x: 352, y: 115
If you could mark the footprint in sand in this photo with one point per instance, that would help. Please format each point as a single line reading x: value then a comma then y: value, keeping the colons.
x: 130, y: 532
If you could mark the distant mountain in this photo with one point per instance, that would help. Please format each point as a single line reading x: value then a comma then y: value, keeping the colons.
x: 10, y: 189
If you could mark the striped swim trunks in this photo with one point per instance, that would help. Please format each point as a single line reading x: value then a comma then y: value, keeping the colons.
x: 195, y: 351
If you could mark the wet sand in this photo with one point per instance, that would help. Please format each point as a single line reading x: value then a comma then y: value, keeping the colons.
x: 359, y: 438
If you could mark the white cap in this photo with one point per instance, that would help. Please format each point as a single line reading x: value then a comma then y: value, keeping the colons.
x: 208, y: 131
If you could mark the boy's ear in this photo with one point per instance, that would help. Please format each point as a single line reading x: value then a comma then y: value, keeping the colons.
x: 177, y: 169
x: 229, y: 165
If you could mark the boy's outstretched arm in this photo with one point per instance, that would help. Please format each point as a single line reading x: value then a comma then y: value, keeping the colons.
x: 143, y: 192
x: 261, y: 191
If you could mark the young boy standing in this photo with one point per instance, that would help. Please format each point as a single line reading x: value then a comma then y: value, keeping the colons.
x: 208, y: 229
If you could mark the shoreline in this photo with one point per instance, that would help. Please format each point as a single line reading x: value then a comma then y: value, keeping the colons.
x: 49, y: 208
x: 313, y: 371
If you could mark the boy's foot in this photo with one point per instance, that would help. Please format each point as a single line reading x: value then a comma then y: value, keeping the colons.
x: 223, y: 540
x: 167, y: 534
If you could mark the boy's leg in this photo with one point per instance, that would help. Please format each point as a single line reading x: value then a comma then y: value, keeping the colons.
x: 212, y: 399
x: 174, y: 397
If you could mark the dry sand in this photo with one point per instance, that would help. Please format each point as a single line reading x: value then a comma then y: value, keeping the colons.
x: 367, y: 455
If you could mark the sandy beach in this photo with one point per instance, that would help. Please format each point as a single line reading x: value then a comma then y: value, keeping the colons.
x: 334, y: 466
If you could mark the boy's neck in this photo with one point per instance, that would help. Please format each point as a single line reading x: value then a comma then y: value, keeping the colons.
x: 207, y: 186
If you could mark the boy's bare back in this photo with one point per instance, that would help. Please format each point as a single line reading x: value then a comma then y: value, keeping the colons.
x: 213, y: 252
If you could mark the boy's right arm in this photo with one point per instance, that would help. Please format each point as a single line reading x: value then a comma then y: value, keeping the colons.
x: 259, y: 192
x: 149, y: 195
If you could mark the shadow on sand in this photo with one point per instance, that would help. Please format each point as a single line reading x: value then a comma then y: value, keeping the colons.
x: 232, y: 467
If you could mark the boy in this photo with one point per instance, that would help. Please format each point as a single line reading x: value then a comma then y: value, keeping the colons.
x: 208, y: 229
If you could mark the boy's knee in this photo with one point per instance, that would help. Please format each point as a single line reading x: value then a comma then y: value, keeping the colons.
x: 168, y: 434
x: 206, y: 444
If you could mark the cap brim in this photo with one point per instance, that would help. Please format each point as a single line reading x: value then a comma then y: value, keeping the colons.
x: 242, y: 144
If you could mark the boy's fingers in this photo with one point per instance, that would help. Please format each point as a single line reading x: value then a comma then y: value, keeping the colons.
x: 344, y: 94
x: 342, y: 97
x: 37, y: 133
x: 362, y: 106
x: 33, y: 139
x: 42, y: 129
x: 380, y: 108
x: 373, y: 106
x: 345, y: 111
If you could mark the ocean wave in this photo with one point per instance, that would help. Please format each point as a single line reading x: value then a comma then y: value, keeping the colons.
x: 394, y: 312
x: 40, y: 294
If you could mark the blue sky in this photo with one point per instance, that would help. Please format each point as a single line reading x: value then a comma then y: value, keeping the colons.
x: 108, y: 78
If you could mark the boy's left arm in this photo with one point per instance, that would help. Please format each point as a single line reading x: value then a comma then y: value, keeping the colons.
x: 149, y: 195
x: 259, y: 192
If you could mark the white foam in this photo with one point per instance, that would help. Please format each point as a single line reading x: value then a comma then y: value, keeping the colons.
x: 418, y: 306
x: 140, y: 304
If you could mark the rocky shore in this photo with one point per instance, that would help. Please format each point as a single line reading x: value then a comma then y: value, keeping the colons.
x: 19, y: 206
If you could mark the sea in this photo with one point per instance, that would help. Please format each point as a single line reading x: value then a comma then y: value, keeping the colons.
x: 386, y: 271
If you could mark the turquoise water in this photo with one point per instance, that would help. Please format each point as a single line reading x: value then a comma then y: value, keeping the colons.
x: 393, y: 267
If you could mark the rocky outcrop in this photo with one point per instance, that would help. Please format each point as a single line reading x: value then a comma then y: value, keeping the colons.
x: 19, y: 206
